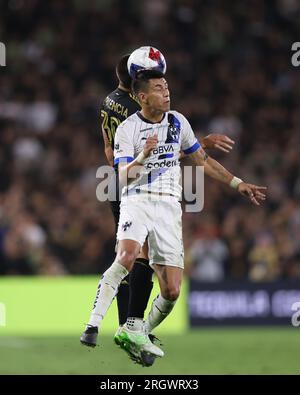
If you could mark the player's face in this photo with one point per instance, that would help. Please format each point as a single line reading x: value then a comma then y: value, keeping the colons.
x: 158, y: 95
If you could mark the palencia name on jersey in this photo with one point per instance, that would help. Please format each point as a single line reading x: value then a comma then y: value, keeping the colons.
x: 116, y: 107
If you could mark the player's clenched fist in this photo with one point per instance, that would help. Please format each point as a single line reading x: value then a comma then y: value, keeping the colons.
x: 150, y: 144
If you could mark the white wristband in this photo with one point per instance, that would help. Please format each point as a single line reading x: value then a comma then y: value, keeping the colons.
x: 141, y: 158
x: 235, y: 182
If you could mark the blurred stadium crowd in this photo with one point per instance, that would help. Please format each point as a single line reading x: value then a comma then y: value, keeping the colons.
x: 229, y: 71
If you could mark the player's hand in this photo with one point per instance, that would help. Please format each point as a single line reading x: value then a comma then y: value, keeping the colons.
x: 218, y: 141
x: 150, y: 144
x: 253, y: 192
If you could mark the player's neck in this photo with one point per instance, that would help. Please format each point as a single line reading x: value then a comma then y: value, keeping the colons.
x: 152, y: 115
x: 122, y: 87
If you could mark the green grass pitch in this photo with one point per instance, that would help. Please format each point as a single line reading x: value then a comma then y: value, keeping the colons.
x: 207, y: 351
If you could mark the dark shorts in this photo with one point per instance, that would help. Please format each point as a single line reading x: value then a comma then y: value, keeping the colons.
x: 115, y: 208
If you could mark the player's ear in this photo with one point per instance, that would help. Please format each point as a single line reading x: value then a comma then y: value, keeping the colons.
x: 142, y: 97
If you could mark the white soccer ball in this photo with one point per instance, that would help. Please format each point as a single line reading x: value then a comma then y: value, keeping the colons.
x: 146, y: 58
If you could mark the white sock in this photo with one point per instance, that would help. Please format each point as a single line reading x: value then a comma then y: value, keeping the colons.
x: 134, y: 324
x: 160, y: 309
x: 107, y: 290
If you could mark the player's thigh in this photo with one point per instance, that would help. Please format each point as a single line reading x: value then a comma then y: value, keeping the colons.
x: 170, y: 279
x: 165, y: 238
x: 133, y: 222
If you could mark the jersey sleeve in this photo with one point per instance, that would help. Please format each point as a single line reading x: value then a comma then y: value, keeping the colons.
x: 124, y: 147
x: 189, y: 142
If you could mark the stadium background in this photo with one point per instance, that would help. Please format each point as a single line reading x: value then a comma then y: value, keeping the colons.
x: 229, y: 71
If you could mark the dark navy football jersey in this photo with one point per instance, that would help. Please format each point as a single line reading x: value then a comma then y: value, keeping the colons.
x: 117, y: 107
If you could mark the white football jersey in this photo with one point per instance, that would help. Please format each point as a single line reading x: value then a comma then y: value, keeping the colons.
x: 161, y: 171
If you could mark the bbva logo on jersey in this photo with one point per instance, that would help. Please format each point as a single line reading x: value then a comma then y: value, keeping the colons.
x: 162, y: 149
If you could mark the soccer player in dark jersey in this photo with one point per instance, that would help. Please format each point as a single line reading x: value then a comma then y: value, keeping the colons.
x: 134, y: 293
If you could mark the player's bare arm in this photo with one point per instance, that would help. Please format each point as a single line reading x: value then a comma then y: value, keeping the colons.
x: 215, y: 170
x: 109, y: 153
x: 130, y: 171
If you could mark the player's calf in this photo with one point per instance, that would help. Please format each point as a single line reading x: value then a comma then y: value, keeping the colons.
x: 160, y: 309
x: 109, y: 285
x: 107, y: 289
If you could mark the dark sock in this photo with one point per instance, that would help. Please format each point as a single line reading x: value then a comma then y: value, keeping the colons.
x: 140, y: 285
x: 123, y: 300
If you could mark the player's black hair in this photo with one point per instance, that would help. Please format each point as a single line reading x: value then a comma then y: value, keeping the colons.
x: 122, y: 72
x: 142, y: 78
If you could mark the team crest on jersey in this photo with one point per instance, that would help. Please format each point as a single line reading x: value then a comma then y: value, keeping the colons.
x: 173, y: 129
x: 126, y: 225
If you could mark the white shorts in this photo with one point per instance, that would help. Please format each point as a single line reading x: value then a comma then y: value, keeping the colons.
x: 159, y: 219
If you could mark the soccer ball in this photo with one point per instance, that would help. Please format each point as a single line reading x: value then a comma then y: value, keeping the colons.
x: 146, y: 58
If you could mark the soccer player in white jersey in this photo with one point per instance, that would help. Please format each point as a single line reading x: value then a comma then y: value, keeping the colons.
x: 147, y: 150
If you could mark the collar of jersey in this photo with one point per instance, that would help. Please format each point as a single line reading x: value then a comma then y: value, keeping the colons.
x: 122, y: 91
x: 147, y: 120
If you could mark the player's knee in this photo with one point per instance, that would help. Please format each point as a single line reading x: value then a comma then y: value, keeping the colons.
x: 126, y: 258
x: 172, y: 292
